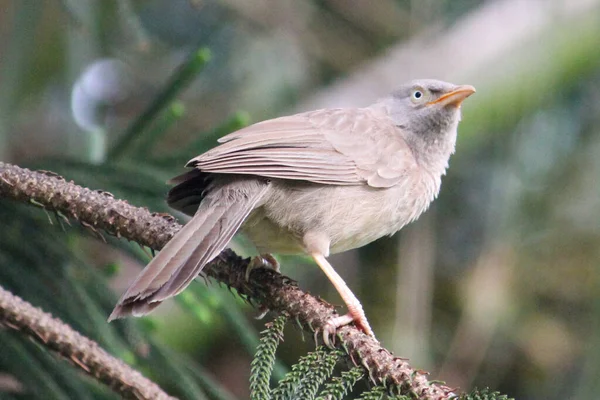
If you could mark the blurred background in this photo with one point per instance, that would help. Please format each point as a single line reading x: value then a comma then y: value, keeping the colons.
x: 497, y: 285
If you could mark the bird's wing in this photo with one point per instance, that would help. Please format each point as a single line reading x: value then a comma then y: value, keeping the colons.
x: 336, y: 147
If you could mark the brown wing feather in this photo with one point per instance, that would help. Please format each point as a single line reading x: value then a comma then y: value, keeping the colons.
x: 336, y: 147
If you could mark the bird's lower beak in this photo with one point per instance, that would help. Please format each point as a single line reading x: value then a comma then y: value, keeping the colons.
x: 455, y: 97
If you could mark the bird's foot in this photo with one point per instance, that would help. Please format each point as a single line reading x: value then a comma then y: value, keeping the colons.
x: 331, y: 326
x: 262, y: 261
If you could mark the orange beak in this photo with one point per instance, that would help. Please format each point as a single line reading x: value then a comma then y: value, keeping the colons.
x: 455, y: 97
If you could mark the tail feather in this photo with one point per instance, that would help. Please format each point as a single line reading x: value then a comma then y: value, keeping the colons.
x: 189, y: 191
x: 204, y: 221
x: 202, y: 255
x: 218, y: 218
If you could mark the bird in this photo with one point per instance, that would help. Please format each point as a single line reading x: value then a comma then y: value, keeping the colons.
x: 316, y: 183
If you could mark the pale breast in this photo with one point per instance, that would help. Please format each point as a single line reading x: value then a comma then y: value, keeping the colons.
x: 351, y: 216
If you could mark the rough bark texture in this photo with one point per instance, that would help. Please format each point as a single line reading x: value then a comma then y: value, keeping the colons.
x: 76, y: 348
x: 99, y: 210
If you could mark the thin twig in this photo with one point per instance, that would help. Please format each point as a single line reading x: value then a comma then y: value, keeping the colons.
x: 266, y: 287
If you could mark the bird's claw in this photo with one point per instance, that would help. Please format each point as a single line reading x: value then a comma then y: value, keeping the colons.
x: 262, y: 311
x: 262, y: 261
x: 331, y: 326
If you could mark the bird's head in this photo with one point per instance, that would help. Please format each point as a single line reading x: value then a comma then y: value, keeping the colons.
x: 428, y: 109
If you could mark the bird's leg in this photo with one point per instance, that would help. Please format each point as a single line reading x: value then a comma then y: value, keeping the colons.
x: 264, y: 260
x: 355, y: 310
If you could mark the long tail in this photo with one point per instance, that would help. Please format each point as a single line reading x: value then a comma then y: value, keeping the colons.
x: 219, y: 216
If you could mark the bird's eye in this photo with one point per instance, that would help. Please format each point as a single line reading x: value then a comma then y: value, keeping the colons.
x: 418, y: 95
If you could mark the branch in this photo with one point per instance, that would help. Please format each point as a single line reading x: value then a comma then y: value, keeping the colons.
x: 99, y: 210
x: 86, y: 354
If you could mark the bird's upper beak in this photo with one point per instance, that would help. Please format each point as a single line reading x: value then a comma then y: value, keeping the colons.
x: 454, y: 97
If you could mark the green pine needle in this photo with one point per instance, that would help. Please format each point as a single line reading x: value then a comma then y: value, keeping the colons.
x: 321, y: 368
x: 263, y: 362
x: 342, y: 385
x: 169, y: 117
x: 303, y: 381
x: 485, y: 394
x: 178, y: 81
x: 285, y: 387
x: 375, y: 393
